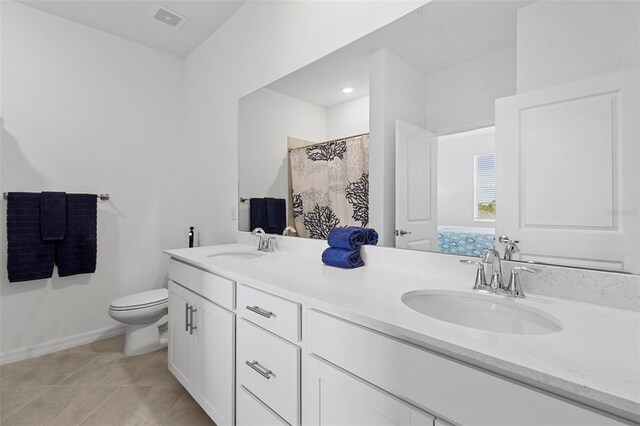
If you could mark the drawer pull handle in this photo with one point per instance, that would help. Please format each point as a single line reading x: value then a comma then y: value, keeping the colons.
x: 260, y: 369
x: 191, y: 326
x: 260, y: 311
x: 186, y: 317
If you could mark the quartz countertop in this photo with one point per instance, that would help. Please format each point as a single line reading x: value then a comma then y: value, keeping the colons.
x: 595, y: 359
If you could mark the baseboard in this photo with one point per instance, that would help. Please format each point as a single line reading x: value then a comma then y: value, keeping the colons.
x: 26, y: 352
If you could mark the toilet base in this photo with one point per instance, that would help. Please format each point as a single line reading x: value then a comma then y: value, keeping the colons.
x: 143, y: 338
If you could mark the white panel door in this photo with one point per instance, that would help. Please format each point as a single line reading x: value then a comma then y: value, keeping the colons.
x: 215, y: 360
x: 181, y: 342
x: 568, y: 186
x: 416, y: 188
x: 339, y: 398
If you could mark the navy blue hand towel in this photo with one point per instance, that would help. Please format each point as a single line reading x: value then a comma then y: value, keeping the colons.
x: 371, y: 236
x: 347, y: 238
x: 342, y: 258
x: 276, y: 215
x: 76, y: 254
x: 53, y: 215
x: 258, y: 214
x: 28, y: 257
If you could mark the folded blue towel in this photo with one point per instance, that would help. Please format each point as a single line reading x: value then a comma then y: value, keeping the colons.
x: 53, y: 215
x: 370, y: 235
x: 76, y: 254
x: 28, y: 257
x: 346, y: 238
x: 342, y: 258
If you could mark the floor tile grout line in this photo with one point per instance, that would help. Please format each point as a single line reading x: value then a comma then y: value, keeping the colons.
x: 98, y: 406
x: 27, y: 403
x: 170, y: 410
x: 51, y: 387
x: 127, y: 381
x: 93, y: 357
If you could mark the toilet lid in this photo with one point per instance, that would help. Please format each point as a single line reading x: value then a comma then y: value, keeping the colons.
x: 141, y: 300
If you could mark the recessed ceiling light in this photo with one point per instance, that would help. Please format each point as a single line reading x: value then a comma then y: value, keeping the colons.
x: 347, y: 90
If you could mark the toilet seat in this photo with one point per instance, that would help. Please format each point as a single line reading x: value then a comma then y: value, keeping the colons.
x: 143, y: 300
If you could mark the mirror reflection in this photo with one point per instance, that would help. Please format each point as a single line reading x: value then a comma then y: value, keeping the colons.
x: 463, y: 126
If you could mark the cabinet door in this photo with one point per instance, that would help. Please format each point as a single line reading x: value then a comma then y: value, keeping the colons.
x: 181, y: 342
x: 335, y: 397
x: 215, y: 361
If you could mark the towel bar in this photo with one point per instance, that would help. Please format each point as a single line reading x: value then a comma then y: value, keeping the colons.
x: 103, y: 197
x: 244, y: 199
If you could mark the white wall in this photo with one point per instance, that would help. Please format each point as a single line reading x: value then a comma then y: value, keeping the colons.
x: 260, y: 43
x: 84, y: 111
x: 397, y: 92
x: 348, y: 118
x: 462, y: 97
x: 266, y: 119
x: 554, y: 47
x: 455, y: 175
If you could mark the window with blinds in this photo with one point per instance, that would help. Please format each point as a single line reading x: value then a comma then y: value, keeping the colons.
x: 484, y: 199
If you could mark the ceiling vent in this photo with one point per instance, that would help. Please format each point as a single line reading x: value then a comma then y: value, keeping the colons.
x: 168, y: 17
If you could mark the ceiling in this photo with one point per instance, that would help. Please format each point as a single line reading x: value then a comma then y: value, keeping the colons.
x: 437, y: 36
x: 130, y: 20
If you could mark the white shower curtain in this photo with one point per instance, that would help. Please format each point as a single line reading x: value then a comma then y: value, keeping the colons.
x: 330, y: 186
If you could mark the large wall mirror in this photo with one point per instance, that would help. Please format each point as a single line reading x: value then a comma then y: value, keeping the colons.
x: 456, y: 125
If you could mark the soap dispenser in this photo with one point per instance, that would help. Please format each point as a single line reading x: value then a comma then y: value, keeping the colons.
x: 191, y: 233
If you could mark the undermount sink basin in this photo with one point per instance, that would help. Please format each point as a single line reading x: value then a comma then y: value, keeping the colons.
x: 237, y: 255
x: 483, y: 312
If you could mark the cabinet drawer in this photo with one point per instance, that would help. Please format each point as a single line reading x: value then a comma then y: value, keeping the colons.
x: 269, y: 367
x: 252, y: 412
x: 278, y: 315
x: 441, y: 385
x: 210, y: 286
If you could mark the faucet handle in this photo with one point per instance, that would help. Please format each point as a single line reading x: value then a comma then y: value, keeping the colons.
x: 517, y: 270
x: 481, y: 278
x: 506, y: 240
x: 480, y: 265
x: 515, y: 288
x: 269, y: 244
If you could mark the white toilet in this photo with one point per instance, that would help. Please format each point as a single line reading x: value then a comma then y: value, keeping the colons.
x: 146, y: 317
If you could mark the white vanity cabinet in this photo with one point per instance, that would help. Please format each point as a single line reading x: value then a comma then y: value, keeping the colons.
x: 446, y: 387
x: 288, y: 362
x: 268, y: 359
x: 201, y: 348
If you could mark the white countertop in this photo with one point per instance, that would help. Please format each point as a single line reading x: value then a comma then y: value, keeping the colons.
x: 595, y: 359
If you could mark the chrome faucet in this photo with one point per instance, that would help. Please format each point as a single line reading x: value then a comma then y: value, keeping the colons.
x: 496, y: 285
x: 493, y: 257
x: 510, y: 247
x: 265, y: 242
x: 289, y: 230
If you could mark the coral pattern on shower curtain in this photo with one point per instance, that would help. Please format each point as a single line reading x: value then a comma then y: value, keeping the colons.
x: 330, y: 183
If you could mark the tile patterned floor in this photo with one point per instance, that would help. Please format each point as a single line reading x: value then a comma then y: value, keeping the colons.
x: 95, y: 385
